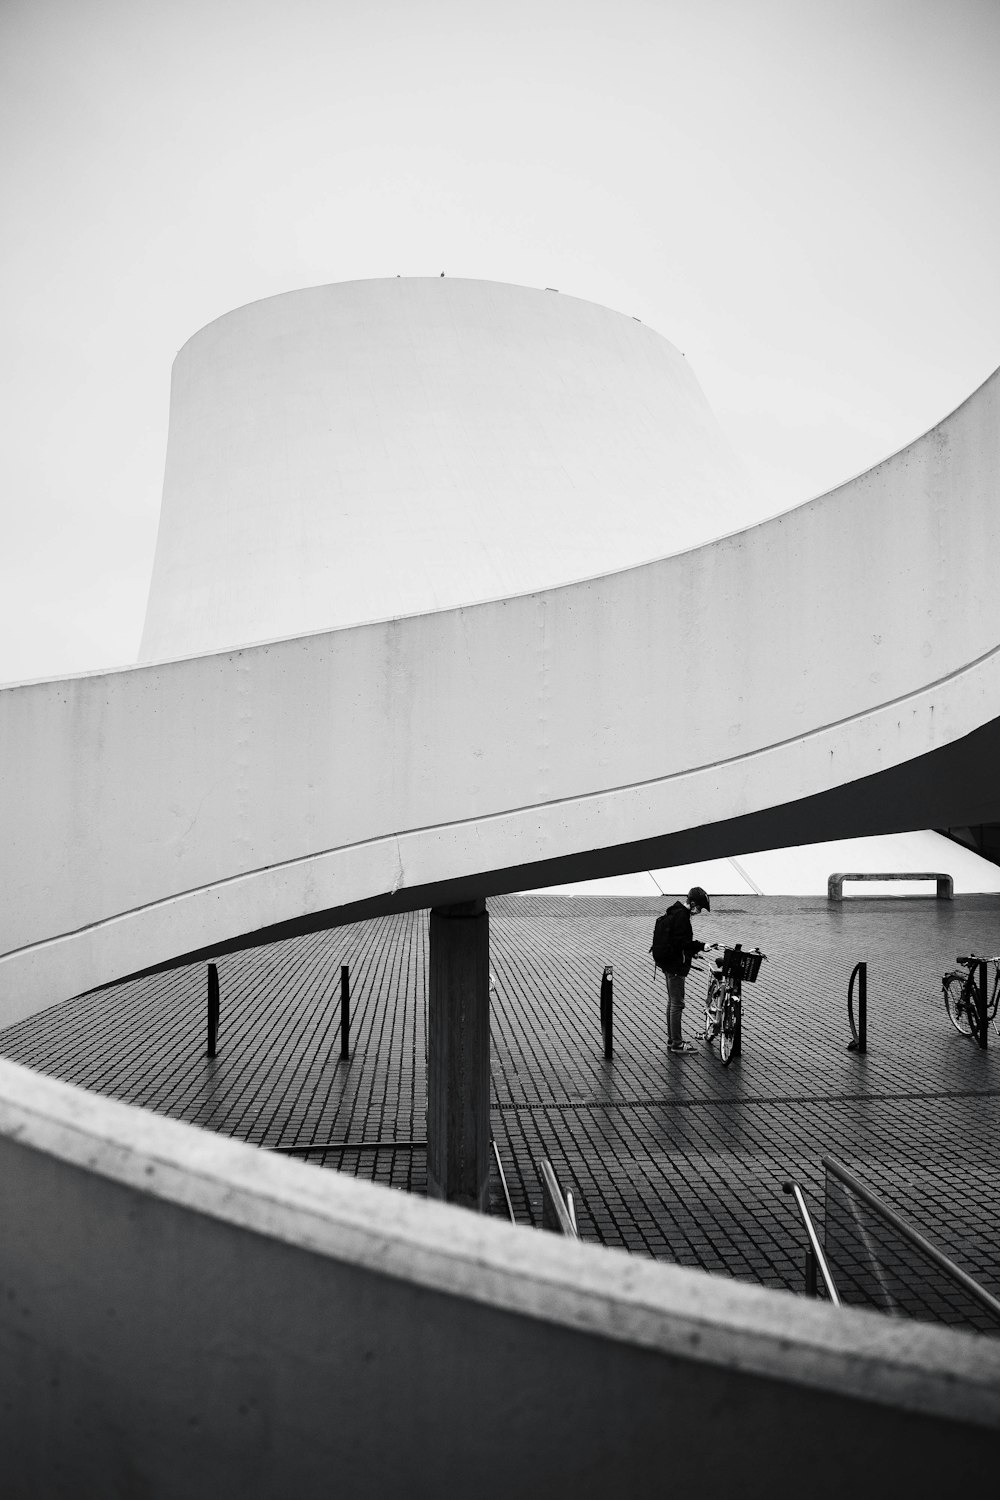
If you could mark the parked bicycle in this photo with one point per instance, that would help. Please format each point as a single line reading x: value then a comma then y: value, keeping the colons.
x: 962, y: 998
x: 724, y: 1000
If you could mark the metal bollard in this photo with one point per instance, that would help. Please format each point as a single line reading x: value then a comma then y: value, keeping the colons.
x: 213, y: 1009
x: 982, y: 1008
x: 345, y: 1012
x: 860, y: 1031
x: 608, y: 1009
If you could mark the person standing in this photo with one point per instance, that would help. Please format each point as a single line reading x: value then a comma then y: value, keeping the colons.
x: 677, y: 945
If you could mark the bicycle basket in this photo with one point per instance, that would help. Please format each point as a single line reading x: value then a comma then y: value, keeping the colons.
x: 741, y: 965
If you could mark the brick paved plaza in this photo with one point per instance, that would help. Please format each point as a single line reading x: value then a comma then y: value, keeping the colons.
x: 669, y: 1157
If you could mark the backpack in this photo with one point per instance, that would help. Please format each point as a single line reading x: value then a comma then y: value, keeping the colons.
x: 660, y: 944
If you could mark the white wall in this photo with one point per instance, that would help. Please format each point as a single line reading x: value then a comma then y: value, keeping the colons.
x: 150, y: 812
x: 182, y: 1315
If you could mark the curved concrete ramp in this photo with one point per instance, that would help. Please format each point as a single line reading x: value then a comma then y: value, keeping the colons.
x: 832, y: 672
x: 184, y: 1315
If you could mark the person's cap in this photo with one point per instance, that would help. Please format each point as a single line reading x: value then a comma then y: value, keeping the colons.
x: 698, y: 897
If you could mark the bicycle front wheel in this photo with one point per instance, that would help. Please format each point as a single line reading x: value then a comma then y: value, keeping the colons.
x: 727, y: 1030
x: 712, y: 1008
x: 958, y: 1002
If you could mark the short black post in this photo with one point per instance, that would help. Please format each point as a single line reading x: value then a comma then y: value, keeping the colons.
x: 608, y: 1009
x: 213, y: 1009
x: 984, y: 1019
x: 811, y: 1288
x: 345, y: 1012
x: 859, y: 1043
x: 738, y: 1033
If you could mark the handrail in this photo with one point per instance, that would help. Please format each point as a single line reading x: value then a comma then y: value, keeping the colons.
x: 942, y: 1261
x: 503, y: 1180
x: 814, y: 1255
x: 557, y: 1214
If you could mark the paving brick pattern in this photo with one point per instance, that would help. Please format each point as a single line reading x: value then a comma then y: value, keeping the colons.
x: 668, y: 1157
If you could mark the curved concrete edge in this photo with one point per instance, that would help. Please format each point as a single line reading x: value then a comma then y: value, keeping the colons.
x: 604, y: 1293
x: 407, y: 868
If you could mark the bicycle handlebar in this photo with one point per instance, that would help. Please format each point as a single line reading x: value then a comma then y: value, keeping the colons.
x: 975, y: 959
x: 764, y: 959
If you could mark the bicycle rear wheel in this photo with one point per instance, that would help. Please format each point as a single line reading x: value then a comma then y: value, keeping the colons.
x: 727, y: 1029
x: 958, y: 1001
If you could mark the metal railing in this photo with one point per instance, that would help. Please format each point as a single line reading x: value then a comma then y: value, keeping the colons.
x: 869, y: 1257
x: 384, y: 1144
x: 503, y: 1181
x: 558, y: 1211
x: 343, y: 1148
x: 815, y: 1259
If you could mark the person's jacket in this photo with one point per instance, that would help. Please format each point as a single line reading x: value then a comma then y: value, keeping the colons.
x: 682, y: 945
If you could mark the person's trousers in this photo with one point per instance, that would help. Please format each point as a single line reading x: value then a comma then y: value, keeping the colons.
x: 675, y: 1005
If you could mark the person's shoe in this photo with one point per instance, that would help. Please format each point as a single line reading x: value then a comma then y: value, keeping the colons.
x: 680, y: 1047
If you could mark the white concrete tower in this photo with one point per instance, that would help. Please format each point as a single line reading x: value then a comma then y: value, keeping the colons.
x: 381, y: 448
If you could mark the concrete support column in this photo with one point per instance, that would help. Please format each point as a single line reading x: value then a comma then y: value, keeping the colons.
x: 458, y: 1055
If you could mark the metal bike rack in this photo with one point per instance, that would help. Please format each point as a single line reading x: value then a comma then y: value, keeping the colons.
x: 859, y: 1032
x: 982, y: 1009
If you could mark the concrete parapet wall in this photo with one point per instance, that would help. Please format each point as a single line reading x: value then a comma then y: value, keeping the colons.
x: 183, y: 1315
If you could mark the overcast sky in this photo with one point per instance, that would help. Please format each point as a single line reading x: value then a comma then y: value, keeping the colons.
x: 803, y: 195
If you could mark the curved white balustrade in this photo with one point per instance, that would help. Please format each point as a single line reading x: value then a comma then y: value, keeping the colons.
x: 185, y: 1315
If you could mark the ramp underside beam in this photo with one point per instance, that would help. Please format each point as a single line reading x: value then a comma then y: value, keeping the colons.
x: 955, y: 784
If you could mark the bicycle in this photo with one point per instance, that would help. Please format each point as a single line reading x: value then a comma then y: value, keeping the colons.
x: 962, y: 996
x: 724, y: 1000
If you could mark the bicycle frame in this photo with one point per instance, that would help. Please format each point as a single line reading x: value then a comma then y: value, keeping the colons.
x: 724, y: 1000
x: 724, y: 1012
